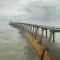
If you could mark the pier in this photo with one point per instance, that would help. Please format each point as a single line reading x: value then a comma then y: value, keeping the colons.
x: 37, y: 36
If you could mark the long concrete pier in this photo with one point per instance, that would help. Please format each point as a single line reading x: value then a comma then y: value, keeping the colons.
x: 43, y: 45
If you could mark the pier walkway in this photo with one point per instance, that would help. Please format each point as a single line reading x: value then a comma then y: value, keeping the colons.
x: 45, y: 36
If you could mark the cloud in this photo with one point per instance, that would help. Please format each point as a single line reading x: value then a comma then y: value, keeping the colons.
x: 30, y: 9
x: 42, y: 9
x: 10, y: 7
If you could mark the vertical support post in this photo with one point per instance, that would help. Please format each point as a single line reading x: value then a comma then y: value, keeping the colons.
x: 23, y: 25
x: 33, y: 31
x: 26, y: 27
x: 36, y: 29
x: 50, y: 35
x: 42, y: 30
x: 36, y: 32
x: 49, y: 41
x: 53, y: 36
x: 30, y: 28
x: 46, y: 33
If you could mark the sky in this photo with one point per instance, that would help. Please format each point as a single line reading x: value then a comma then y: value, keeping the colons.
x: 30, y: 9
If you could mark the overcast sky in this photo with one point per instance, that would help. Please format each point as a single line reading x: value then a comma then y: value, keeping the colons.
x: 30, y: 9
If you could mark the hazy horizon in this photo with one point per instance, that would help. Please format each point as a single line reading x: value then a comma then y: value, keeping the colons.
x: 28, y: 10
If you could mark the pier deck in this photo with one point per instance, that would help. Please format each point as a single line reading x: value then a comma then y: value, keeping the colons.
x: 45, y: 48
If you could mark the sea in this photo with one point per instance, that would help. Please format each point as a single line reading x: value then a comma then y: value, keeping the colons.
x: 13, y: 45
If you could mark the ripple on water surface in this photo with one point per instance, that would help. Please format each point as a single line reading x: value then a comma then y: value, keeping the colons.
x: 13, y: 46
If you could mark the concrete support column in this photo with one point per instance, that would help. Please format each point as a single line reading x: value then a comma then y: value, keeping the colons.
x: 30, y: 29
x: 46, y: 33
x: 53, y: 36
x: 50, y: 37
x: 37, y: 31
x: 42, y: 31
x: 33, y: 32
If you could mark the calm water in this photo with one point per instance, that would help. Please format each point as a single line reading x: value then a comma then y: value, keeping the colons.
x: 12, y: 45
